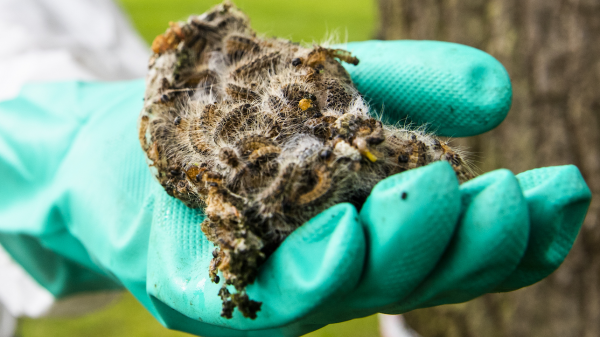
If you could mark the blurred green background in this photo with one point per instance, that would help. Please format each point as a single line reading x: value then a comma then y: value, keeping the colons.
x: 128, y: 318
x: 300, y: 20
x: 297, y: 20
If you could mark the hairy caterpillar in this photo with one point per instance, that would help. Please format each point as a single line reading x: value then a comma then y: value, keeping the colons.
x: 263, y: 134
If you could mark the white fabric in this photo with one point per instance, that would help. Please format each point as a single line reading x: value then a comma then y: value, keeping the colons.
x: 8, y: 324
x: 50, y: 40
x: 53, y: 40
x: 19, y: 293
x: 394, y: 326
x: 20, y: 296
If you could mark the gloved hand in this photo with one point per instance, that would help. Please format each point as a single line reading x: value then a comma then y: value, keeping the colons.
x: 80, y: 210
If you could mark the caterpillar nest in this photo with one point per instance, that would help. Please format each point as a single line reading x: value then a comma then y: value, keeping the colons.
x: 263, y: 134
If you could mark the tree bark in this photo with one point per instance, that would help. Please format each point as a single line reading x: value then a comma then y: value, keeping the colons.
x: 551, y: 49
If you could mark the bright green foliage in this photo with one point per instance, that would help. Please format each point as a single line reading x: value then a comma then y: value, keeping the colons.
x: 300, y: 20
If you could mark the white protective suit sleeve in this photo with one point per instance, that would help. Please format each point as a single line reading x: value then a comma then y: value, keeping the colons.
x: 55, y: 40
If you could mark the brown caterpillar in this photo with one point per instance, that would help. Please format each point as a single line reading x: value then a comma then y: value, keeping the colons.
x: 263, y: 134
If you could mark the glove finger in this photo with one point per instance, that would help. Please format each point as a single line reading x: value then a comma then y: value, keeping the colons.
x: 175, y: 320
x: 489, y: 242
x: 456, y: 90
x: 409, y: 219
x: 558, y: 199
x: 322, y: 258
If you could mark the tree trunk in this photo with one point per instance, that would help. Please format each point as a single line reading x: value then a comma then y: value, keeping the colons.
x: 551, y: 49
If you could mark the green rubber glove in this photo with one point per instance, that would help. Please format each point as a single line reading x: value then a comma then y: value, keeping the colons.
x: 455, y: 90
x: 80, y: 211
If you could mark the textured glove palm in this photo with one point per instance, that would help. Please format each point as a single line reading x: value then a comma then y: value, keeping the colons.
x: 80, y: 210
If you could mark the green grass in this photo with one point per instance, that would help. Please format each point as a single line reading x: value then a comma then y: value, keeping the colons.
x: 125, y: 318
x: 128, y: 318
x: 297, y: 20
